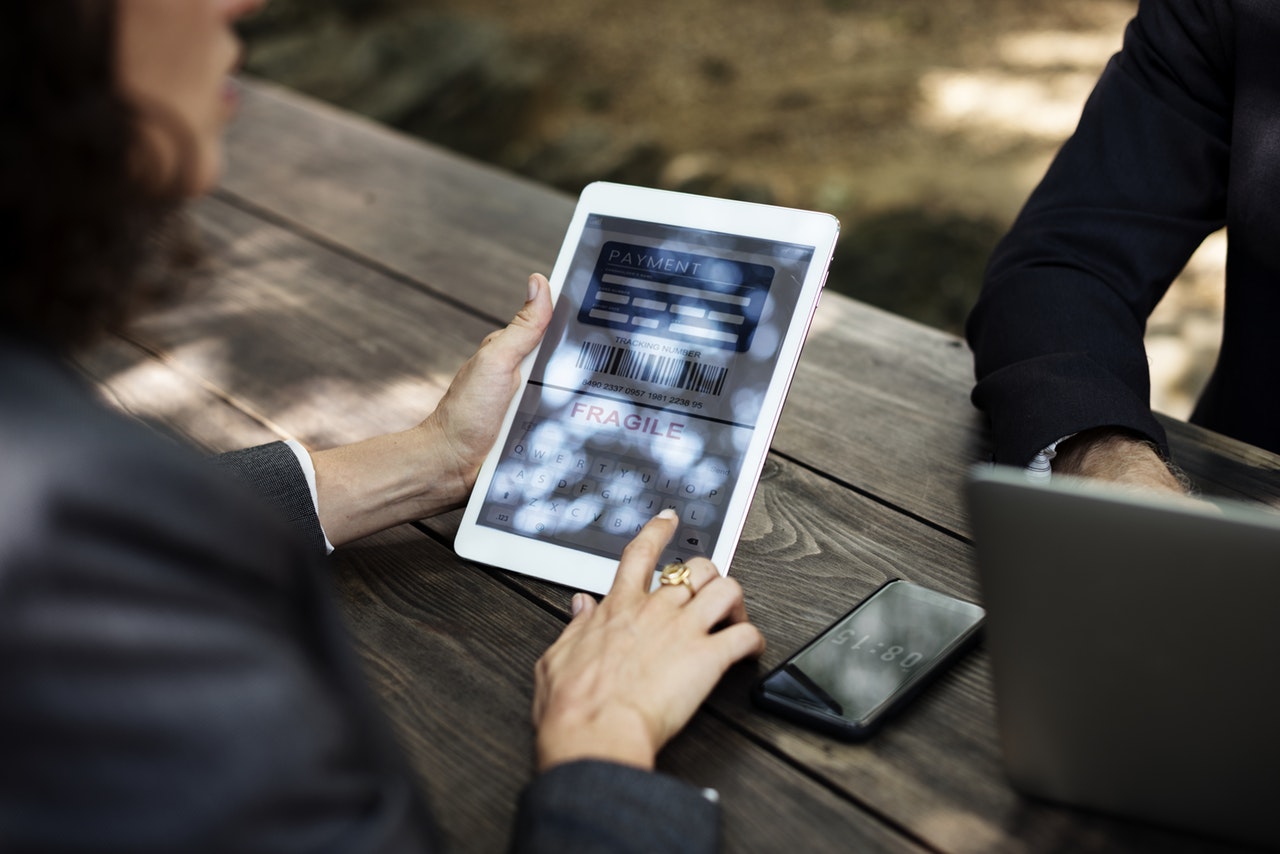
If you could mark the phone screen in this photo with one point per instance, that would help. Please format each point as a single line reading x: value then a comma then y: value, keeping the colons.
x: 648, y: 387
x: 858, y: 668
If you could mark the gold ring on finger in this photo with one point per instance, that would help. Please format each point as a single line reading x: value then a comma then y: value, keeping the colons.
x: 677, y: 574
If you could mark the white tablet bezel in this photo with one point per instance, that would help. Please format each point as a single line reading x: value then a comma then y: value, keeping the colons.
x: 563, y: 564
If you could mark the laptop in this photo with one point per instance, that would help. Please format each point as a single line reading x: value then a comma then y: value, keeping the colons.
x: 1135, y: 646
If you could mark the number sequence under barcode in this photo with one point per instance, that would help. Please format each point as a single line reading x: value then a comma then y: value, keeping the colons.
x: 665, y: 371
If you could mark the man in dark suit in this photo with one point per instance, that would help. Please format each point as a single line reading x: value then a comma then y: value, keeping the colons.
x: 1177, y: 140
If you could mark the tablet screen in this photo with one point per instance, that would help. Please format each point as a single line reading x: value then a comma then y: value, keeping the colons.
x: 648, y: 386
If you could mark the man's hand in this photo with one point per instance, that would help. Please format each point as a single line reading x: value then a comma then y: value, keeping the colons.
x: 1117, y: 457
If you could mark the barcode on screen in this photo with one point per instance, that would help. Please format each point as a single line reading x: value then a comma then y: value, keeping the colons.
x: 665, y: 371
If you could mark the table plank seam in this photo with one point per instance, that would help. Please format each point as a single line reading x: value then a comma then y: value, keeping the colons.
x: 512, y: 582
x: 112, y: 397
x: 822, y: 780
x: 328, y: 244
x: 871, y: 496
x: 148, y: 352
x: 215, y: 391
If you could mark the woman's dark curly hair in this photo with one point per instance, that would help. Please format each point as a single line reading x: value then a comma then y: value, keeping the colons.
x: 78, y: 229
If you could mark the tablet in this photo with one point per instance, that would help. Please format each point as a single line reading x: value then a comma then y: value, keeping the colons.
x: 678, y: 322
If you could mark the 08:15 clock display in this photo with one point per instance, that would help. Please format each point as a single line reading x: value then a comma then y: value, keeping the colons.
x: 893, y: 653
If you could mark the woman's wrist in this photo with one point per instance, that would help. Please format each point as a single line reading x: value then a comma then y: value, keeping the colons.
x: 452, y: 471
x: 376, y: 484
x: 617, y: 735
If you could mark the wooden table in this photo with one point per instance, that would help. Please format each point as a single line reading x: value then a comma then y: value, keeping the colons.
x: 355, y: 269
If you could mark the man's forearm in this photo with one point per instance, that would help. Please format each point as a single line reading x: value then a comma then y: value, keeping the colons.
x: 1119, y: 457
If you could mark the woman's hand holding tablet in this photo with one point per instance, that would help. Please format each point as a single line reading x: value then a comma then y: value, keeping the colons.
x: 678, y: 322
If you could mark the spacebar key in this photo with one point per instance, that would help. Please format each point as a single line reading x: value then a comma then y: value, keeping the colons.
x: 593, y: 538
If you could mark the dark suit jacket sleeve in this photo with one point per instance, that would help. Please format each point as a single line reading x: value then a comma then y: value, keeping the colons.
x: 1057, y: 332
x: 273, y: 473
x: 174, y: 676
x: 588, y: 807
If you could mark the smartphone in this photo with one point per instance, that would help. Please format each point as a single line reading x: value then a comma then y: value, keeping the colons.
x: 871, y: 661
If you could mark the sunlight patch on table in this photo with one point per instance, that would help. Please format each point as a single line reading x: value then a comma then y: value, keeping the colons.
x: 951, y: 825
x: 155, y: 387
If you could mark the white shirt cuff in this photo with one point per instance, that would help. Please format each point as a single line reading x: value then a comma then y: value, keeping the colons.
x: 1039, y: 468
x: 309, y: 470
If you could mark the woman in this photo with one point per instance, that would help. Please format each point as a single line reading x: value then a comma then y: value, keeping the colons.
x: 174, y: 677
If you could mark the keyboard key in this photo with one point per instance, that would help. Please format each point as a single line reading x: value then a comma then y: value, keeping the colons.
x: 698, y: 514
x: 691, y: 540
x: 598, y: 501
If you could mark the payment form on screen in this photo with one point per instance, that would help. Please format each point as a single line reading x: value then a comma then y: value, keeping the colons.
x: 648, y: 387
